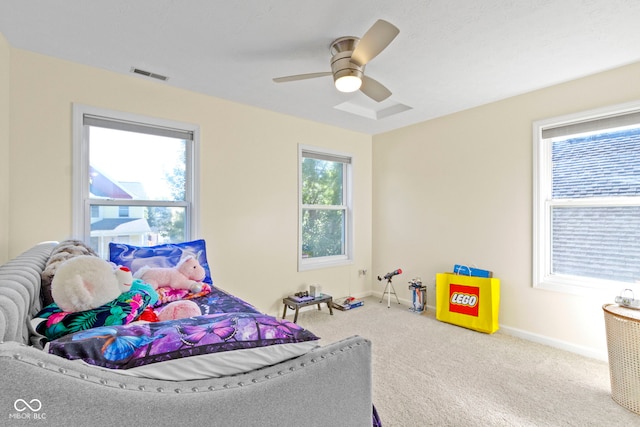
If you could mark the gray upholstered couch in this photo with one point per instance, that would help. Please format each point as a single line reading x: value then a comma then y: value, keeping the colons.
x: 328, y: 386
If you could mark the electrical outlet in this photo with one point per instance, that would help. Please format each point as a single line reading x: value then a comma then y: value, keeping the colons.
x: 362, y: 272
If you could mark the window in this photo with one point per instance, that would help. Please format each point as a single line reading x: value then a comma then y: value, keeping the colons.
x: 325, y: 209
x: 134, y: 179
x: 587, y: 200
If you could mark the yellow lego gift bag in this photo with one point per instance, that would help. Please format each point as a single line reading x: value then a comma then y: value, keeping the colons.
x: 468, y: 301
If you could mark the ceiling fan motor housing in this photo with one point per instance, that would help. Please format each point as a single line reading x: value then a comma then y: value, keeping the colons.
x: 341, y: 64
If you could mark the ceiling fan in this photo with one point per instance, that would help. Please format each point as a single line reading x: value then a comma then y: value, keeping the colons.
x: 349, y: 55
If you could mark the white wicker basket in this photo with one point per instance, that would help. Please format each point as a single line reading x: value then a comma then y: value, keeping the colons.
x: 623, y: 344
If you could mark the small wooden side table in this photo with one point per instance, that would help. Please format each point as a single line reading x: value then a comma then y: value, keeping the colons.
x: 288, y: 302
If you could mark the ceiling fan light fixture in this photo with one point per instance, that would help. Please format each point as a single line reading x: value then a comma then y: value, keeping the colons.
x: 348, y: 83
x: 346, y: 76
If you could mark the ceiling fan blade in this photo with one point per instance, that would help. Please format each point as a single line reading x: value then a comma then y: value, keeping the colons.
x: 374, y: 89
x: 301, y: 77
x: 374, y: 41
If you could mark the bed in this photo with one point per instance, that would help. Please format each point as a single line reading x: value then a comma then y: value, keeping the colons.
x: 233, y: 365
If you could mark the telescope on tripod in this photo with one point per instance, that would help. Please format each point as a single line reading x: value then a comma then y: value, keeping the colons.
x: 389, y: 289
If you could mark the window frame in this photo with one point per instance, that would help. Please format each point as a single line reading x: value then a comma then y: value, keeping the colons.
x: 543, y: 204
x: 81, y: 200
x: 305, y: 264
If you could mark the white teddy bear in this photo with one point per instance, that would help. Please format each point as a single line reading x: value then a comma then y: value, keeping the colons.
x: 86, y: 282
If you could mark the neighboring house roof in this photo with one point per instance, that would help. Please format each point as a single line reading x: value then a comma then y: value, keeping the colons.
x: 597, y: 241
x: 602, y: 165
x: 102, y: 186
x: 136, y: 189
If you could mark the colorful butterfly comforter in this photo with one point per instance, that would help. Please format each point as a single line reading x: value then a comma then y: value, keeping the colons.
x: 227, y: 323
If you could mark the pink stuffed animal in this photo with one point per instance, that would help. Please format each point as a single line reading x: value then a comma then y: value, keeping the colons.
x: 178, y: 310
x: 188, y: 274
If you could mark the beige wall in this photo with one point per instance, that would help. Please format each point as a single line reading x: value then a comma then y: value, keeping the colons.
x: 248, y: 174
x: 4, y: 147
x: 458, y: 189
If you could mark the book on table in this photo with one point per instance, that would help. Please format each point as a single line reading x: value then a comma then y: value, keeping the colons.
x: 301, y: 299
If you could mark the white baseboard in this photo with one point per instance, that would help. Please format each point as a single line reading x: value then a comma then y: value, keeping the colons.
x: 552, y: 342
x: 386, y: 297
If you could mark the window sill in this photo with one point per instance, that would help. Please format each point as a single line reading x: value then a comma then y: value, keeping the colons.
x: 307, y: 265
x: 583, y: 286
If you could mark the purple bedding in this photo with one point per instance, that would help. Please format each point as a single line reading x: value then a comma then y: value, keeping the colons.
x: 227, y: 323
x: 219, y: 301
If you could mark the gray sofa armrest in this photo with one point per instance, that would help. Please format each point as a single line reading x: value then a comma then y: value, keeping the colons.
x: 20, y: 291
x: 328, y: 386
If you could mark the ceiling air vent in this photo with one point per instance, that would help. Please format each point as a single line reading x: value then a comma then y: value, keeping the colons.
x: 149, y: 74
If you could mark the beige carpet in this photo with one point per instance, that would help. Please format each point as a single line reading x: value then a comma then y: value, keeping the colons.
x: 429, y: 373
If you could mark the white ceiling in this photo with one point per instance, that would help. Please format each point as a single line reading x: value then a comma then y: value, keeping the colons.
x: 450, y: 55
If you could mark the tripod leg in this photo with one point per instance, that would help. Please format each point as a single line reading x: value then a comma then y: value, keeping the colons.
x: 394, y: 292
x: 385, y: 291
x: 389, y: 289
